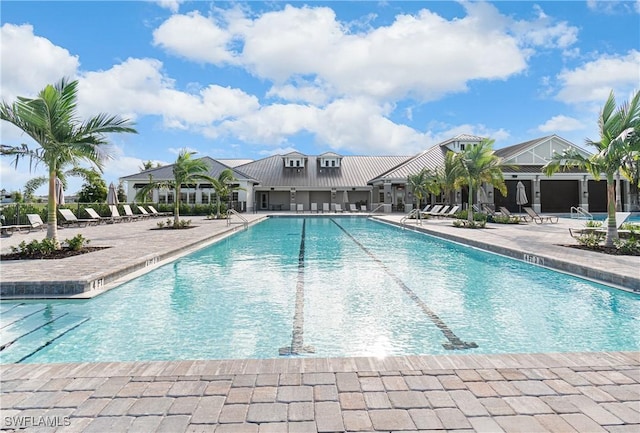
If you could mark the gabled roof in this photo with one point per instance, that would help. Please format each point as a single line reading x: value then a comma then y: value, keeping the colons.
x: 295, y: 154
x: 462, y: 137
x: 510, y: 154
x: 354, y: 171
x: 166, y: 172
x: 329, y: 155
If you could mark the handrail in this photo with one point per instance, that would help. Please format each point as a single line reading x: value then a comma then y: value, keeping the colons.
x: 230, y: 212
x: 377, y: 208
x: 413, y: 212
x: 580, y: 213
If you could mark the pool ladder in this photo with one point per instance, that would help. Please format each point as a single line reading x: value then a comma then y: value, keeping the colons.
x: 413, y: 213
x: 243, y: 220
x: 579, y: 213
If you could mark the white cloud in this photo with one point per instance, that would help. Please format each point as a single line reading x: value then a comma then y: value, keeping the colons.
x: 561, y: 123
x: 592, y: 81
x: 30, y: 62
x: 611, y: 7
x: 194, y: 37
x: 277, y: 151
x: 172, y: 5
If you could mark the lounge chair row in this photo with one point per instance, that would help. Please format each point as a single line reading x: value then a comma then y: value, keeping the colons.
x: 69, y: 218
x: 439, y: 211
x: 326, y: 207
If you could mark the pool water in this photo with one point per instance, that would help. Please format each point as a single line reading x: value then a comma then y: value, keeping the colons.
x: 343, y: 286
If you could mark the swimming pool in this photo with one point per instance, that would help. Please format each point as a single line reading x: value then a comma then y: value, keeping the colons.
x: 326, y: 287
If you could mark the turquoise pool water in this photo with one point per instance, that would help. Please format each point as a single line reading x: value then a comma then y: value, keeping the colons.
x: 326, y: 287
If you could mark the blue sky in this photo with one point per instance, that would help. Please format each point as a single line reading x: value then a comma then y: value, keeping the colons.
x: 252, y: 79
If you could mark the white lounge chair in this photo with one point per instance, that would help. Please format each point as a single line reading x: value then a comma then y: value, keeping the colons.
x: 440, y: 212
x: 93, y: 214
x: 448, y: 213
x: 314, y: 207
x: 539, y: 219
x: 129, y: 212
x: 115, y: 215
x: 36, y: 221
x: 144, y: 212
x: 363, y: 208
x: 434, y: 210
x: 352, y: 208
x: 325, y: 207
x: 299, y: 208
x: 338, y: 208
x: 155, y: 212
x: 70, y: 219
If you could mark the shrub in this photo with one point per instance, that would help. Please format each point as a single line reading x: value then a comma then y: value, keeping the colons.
x: 628, y: 246
x: 469, y: 224
x: 504, y: 219
x: 77, y: 242
x: 43, y: 247
x: 632, y: 227
x: 590, y: 240
x: 477, y: 216
x: 593, y: 224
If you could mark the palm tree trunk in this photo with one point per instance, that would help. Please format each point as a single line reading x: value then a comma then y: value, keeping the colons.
x: 176, y: 208
x: 52, y: 208
x: 612, y: 231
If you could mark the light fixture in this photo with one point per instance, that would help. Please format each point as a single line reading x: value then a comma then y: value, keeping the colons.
x: 585, y: 194
x: 537, y: 194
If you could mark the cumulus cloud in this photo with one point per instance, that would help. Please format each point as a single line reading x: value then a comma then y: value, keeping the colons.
x: 592, y: 81
x: 611, y: 7
x: 31, y: 62
x: 194, y: 37
x: 561, y: 123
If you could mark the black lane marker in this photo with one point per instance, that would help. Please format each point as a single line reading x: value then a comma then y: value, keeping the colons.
x: 454, y: 341
x: 11, y: 308
x: 297, y: 340
x: 4, y: 346
x: 22, y: 318
x: 51, y: 341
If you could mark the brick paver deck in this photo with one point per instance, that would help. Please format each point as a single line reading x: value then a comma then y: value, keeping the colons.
x: 561, y: 392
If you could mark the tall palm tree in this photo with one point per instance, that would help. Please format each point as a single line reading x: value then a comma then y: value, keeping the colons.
x: 420, y: 184
x: 445, y: 176
x: 51, y: 120
x: 224, y: 186
x: 478, y: 164
x: 619, y: 128
x: 185, y: 171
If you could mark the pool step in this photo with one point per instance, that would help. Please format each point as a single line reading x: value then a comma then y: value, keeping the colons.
x: 20, y: 312
x: 39, y: 338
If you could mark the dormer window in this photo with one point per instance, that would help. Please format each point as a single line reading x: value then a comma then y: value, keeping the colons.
x: 330, y: 160
x: 290, y: 163
x: 461, y: 146
x: 294, y: 160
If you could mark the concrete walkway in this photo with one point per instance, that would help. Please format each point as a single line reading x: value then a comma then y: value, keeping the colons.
x: 568, y: 392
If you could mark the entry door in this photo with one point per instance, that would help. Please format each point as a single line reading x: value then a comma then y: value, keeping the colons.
x: 264, y: 200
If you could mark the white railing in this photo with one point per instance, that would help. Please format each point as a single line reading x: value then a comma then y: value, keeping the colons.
x: 380, y: 206
x: 579, y: 213
x: 413, y: 213
x: 243, y: 220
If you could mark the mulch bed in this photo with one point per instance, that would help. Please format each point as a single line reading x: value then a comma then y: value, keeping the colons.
x: 59, y: 254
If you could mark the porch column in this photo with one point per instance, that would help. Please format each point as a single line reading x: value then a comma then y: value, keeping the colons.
x: 584, y: 193
x: 387, y: 197
x: 618, y: 194
x: 536, y: 202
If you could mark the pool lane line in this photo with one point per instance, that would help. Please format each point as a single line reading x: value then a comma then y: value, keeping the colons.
x: 22, y: 318
x: 455, y: 343
x: 11, y: 308
x: 297, y: 340
x: 5, y: 345
x: 51, y: 341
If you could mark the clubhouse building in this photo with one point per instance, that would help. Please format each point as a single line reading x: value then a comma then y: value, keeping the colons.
x: 283, y: 182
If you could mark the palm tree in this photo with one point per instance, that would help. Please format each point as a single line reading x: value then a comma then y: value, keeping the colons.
x: 420, y: 184
x: 223, y: 186
x: 51, y: 120
x: 445, y: 176
x: 185, y: 171
x: 478, y: 164
x: 619, y: 129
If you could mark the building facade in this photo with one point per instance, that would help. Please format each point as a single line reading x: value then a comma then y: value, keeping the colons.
x: 297, y: 181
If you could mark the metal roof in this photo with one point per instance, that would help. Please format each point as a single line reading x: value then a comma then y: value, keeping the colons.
x: 166, y: 172
x: 354, y: 171
x: 430, y: 158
